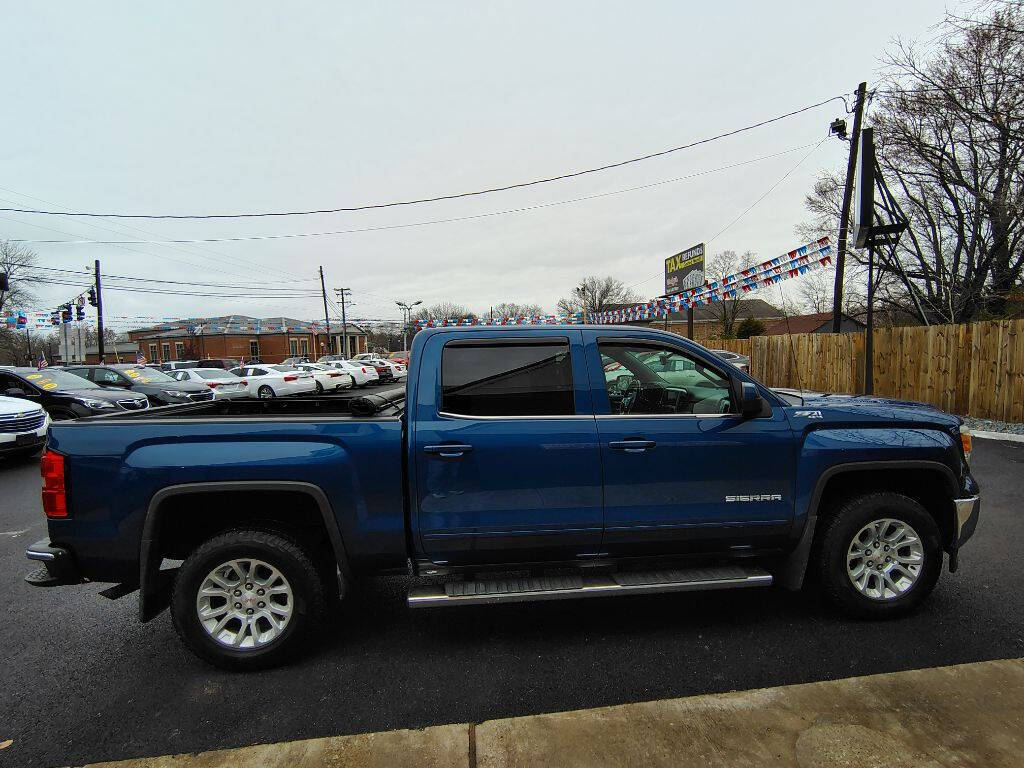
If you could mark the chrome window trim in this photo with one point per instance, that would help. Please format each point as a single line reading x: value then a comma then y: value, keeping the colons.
x: 549, y: 417
x: 669, y: 416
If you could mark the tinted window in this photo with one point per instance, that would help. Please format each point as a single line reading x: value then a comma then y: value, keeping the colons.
x: 507, y: 380
x: 643, y: 379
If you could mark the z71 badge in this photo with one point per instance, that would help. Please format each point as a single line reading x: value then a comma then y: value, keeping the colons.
x: 808, y: 414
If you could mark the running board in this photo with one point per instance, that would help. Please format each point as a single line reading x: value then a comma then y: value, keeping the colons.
x: 578, y: 585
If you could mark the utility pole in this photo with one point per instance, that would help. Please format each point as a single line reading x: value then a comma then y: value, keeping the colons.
x: 99, y: 314
x: 844, y: 216
x: 342, y: 293
x: 407, y: 317
x: 28, y: 340
x: 869, y: 330
x: 327, y: 317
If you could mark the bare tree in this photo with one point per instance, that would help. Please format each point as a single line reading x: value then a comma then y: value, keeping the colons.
x: 442, y: 310
x: 515, y: 309
x: 730, y: 311
x: 16, y: 261
x: 949, y: 128
x: 597, y: 294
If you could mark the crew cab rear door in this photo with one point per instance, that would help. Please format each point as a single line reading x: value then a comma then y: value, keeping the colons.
x: 505, y: 461
x: 683, y: 471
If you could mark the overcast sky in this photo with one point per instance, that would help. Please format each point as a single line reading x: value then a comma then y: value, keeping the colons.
x: 201, y: 107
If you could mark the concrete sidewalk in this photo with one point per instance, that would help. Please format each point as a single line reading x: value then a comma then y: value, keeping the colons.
x: 965, y: 715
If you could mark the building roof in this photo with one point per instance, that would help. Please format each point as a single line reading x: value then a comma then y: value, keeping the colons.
x: 804, y: 323
x: 229, y: 325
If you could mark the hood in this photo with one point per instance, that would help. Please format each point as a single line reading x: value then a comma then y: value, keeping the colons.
x: 100, y: 394
x: 870, y: 408
x: 11, y: 406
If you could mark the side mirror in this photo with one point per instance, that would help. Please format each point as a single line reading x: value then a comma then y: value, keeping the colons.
x: 15, y: 392
x: 751, y: 403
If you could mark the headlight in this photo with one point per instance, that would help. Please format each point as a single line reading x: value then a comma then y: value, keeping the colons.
x: 175, y: 393
x: 965, y: 440
x: 96, y: 404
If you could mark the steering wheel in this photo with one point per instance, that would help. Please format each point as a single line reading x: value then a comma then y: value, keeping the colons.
x: 630, y: 396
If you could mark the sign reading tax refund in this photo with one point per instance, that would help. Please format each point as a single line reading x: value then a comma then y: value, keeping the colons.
x: 684, y: 270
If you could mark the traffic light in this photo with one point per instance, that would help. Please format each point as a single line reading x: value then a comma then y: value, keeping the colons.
x: 92, y: 296
x: 65, y: 313
x: 5, y: 284
x: 55, y: 317
x: 79, y: 312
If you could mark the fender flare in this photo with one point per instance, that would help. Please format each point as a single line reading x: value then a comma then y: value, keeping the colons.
x: 154, y: 591
x: 794, y: 567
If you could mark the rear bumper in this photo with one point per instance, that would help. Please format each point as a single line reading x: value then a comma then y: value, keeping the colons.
x: 58, y: 565
x: 967, y: 512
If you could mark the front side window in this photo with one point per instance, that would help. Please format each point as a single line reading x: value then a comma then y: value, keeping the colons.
x: 643, y: 379
x: 507, y: 379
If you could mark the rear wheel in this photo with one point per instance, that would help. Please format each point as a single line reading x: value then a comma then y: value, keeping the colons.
x: 880, y: 555
x: 245, y: 599
x: 265, y: 392
x: 319, y: 388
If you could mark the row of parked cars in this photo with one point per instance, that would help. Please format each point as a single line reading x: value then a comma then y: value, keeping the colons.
x: 31, y: 398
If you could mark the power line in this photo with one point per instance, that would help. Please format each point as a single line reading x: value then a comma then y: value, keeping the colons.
x: 438, y: 198
x: 751, y: 207
x: 132, y: 289
x: 254, y: 286
x: 521, y: 209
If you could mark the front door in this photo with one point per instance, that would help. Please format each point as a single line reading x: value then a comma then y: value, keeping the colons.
x: 683, y: 472
x: 507, y: 465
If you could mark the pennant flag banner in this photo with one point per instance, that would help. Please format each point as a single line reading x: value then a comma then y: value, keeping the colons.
x: 573, y: 319
x: 797, y: 262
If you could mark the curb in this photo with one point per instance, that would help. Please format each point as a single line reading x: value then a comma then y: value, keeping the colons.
x: 1007, y: 436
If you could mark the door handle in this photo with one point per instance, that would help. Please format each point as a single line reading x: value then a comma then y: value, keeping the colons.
x: 449, y: 451
x: 631, y: 446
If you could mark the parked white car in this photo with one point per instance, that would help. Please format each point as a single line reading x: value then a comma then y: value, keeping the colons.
x: 327, y: 379
x: 398, y: 370
x: 361, y: 374
x: 225, y: 384
x: 23, y: 427
x: 267, y: 381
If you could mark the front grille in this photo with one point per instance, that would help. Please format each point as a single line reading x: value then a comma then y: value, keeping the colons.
x: 29, y: 423
x: 199, y: 396
x: 134, y: 405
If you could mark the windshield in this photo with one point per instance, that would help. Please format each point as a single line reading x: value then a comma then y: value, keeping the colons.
x: 146, y: 375
x: 51, y: 379
x: 214, y: 373
x: 283, y: 368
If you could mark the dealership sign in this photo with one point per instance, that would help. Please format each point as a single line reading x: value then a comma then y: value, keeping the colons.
x: 684, y: 270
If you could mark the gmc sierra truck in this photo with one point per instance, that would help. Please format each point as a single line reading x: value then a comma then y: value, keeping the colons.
x: 519, y: 463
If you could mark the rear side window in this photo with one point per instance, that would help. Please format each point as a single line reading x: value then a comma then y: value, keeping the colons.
x: 507, y: 379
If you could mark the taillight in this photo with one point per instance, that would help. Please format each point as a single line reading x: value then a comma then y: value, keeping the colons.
x: 364, y: 370
x: 333, y: 375
x: 291, y: 378
x: 245, y: 383
x: 51, y: 467
x: 213, y: 384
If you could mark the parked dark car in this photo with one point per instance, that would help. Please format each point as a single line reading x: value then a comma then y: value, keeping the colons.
x: 218, y: 362
x: 157, y: 386
x: 64, y: 395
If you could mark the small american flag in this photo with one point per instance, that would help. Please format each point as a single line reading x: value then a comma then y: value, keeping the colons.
x: 41, y: 362
x: 140, y: 359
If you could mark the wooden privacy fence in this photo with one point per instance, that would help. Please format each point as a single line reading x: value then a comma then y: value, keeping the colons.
x: 974, y: 370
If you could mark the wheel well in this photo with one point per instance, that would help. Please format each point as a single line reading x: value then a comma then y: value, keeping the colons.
x: 929, y: 487
x: 187, y: 520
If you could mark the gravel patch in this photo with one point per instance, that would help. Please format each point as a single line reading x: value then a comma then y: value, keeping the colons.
x: 991, y: 425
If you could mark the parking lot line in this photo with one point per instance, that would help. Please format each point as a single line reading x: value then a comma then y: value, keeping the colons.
x: 968, y: 714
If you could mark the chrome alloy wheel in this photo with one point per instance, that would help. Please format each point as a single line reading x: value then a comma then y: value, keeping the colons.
x: 245, y: 604
x: 885, y: 559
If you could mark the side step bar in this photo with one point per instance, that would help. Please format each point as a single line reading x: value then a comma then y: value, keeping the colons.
x: 578, y: 585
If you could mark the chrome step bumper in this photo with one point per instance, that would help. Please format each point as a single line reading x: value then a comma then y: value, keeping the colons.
x: 578, y: 585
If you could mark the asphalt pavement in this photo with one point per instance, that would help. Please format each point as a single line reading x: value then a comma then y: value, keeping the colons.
x: 83, y: 681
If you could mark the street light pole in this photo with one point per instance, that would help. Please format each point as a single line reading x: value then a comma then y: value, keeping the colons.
x: 406, y: 317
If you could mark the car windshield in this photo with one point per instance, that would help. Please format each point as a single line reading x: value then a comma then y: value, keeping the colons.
x: 53, y: 379
x: 145, y: 375
x: 283, y: 368
x: 214, y: 373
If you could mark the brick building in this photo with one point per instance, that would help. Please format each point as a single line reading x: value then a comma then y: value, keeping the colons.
x: 240, y: 337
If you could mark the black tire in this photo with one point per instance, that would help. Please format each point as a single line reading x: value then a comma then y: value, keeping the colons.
x: 319, y: 388
x: 282, y: 553
x: 837, y: 536
x: 266, y: 393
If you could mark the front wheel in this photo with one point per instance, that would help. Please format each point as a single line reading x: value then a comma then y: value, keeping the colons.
x: 245, y: 599
x: 880, y: 555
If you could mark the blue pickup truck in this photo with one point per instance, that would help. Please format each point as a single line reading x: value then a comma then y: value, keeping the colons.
x: 519, y: 463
